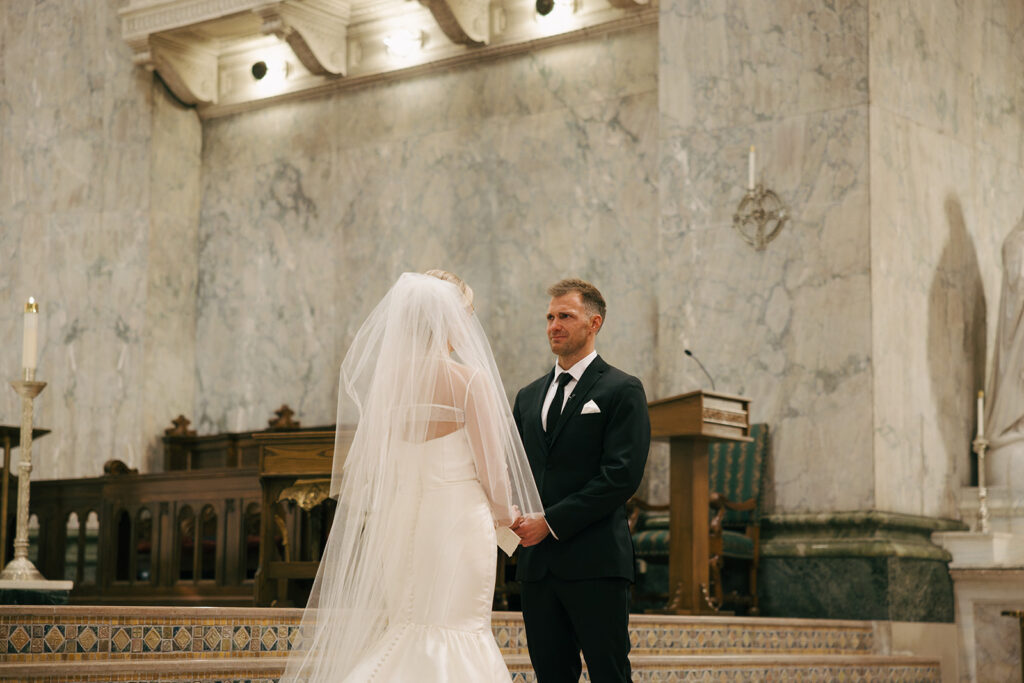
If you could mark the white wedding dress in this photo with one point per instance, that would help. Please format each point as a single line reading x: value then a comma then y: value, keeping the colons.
x: 442, y: 589
x: 404, y: 588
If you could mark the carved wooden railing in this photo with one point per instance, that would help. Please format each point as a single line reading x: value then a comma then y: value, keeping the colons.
x: 191, y: 535
x: 174, y: 538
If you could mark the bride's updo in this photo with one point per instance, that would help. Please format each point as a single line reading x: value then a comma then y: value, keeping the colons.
x: 467, y: 291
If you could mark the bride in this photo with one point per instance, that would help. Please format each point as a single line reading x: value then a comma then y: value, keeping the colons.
x: 404, y: 588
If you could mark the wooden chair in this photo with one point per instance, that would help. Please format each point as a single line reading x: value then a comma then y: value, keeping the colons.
x: 735, y: 477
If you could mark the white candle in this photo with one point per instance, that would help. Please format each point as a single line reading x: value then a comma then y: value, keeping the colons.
x: 981, y: 414
x: 750, y: 169
x: 31, y: 338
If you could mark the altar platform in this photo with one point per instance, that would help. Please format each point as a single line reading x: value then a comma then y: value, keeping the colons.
x: 224, y: 644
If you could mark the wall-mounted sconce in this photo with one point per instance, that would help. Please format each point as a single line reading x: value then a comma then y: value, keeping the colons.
x: 760, y: 215
x: 270, y: 75
x: 555, y: 12
x: 404, y: 43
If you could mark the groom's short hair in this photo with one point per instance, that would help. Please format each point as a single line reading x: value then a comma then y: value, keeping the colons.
x: 593, y: 302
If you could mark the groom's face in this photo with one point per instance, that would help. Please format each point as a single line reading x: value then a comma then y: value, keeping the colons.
x: 570, y: 329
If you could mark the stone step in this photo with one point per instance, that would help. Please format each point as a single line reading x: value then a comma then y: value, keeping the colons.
x: 83, y: 633
x: 646, y: 669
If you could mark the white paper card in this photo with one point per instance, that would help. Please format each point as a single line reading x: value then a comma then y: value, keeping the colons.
x: 508, y: 541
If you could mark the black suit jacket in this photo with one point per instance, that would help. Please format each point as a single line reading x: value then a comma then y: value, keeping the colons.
x: 585, y: 475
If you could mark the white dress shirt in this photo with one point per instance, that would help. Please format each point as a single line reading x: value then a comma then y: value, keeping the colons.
x: 576, y: 371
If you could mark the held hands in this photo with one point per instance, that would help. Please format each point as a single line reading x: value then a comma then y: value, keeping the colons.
x: 531, y: 530
x: 508, y: 518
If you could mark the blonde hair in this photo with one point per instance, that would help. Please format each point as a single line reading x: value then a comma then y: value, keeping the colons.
x: 467, y: 291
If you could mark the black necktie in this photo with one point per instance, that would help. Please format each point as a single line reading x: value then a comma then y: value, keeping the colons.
x: 555, y: 409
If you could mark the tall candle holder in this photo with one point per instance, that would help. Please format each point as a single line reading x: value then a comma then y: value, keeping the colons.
x: 980, y: 445
x: 760, y: 216
x: 21, y: 568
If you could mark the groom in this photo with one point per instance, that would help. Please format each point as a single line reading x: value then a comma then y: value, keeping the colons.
x: 586, y: 432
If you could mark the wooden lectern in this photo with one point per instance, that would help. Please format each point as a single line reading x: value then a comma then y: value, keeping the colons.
x: 691, y: 422
x: 285, y: 458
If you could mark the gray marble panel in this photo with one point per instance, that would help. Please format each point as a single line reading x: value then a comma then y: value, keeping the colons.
x: 997, y: 642
x: 929, y: 314
x: 574, y: 75
x: 169, y: 330
x: 78, y: 145
x: 946, y: 165
x: 738, y: 63
x: 998, y: 96
x: 921, y: 62
x: 304, y: 231
x: 578, y: 199
x: 789, y: 326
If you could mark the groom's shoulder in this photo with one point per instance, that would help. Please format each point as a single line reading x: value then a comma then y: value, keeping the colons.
x: 620, y: 377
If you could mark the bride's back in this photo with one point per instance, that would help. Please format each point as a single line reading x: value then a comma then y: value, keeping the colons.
x: 441, y: 410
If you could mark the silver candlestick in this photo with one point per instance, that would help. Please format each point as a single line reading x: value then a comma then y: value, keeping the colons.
x: 980, y: 445
x: 21, y: 568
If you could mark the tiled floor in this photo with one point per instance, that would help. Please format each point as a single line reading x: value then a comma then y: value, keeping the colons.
x: 181, y: 645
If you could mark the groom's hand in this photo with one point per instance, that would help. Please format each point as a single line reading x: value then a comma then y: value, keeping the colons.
x: 531, y: 530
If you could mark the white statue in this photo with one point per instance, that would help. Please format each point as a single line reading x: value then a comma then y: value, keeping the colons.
x: 1004, y: 419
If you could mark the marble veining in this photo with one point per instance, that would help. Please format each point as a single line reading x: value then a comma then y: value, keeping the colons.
x: 725, y: 64
x: 761, y: 321
x: 511, y: 193
x: 941, y: 204
x: 81, y: 133
x: 997, y: 641
x: 221, y: 270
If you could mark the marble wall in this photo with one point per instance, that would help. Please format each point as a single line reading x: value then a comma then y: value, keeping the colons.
x: 947, y: 161
x: 86, y: 137
x: 861, y: 332
x: 221, y: 270
x: 790, y: 326
x: 512, y: 173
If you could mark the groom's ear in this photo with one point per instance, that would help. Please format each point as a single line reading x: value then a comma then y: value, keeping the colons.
x: 596, y: 321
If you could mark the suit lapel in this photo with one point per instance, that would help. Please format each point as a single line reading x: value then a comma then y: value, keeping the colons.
x: 583, y: 387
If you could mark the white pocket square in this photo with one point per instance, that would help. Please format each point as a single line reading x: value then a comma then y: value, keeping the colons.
x: 589, y: 408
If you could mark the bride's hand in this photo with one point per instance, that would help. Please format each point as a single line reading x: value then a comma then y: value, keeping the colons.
x: 519, y: 520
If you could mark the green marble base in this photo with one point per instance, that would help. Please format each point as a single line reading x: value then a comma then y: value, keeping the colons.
x: 855, y: 565
x: 33, y: 597
x: 35, y: 592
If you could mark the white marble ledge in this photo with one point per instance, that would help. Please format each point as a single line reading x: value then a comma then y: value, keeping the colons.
x: 977, y: 550
x: 1005, y: 507
x: 35, y: 585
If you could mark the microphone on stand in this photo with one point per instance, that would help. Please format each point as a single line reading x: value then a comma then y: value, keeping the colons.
x: 697, y: 360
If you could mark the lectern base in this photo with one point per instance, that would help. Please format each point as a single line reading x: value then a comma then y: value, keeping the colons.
x: 677, y: 606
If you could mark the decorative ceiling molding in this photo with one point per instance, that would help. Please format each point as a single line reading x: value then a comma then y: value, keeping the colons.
x: 465, y: 22
x: 189, y: 70
x: 628, y: 4
x: 226, y: 56
x: 316, y: 32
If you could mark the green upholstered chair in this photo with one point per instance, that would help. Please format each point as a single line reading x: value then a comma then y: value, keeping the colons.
x: 649, y: 527
x: 735, y: 476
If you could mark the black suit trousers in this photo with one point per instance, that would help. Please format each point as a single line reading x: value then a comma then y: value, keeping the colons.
x: 565, y: 616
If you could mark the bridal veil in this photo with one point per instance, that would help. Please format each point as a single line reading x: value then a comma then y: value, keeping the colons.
x: 419, y: 368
